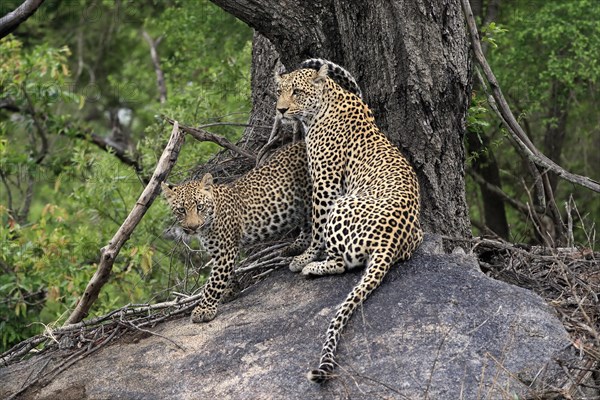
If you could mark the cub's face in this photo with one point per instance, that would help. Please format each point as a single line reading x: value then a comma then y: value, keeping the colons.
x: 192, y: 203
x: 299, y: 93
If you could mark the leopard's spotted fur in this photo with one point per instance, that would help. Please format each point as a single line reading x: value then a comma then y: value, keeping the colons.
x: 365, y: 193
x: 266, y: 203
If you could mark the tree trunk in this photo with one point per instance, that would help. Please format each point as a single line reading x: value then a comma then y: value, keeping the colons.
x: 411, y: 59
x: 494, y: 212
x: 556, y: 128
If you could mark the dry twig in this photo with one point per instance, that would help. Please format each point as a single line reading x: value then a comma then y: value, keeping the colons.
x: 568, y: 279
x: 110, y: 252
x: 205, y: 136
x: 160, y: 76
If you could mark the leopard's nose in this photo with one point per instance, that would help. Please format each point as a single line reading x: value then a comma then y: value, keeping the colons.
x: 282, y: 110
x: 190, y: 230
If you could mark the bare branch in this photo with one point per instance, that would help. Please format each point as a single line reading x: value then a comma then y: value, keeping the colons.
x: 27, y: 199
x: 110, y: 252
x: 106, y: 144
x: 499, y: 192
x: 40, y: 128
x: 509, y: 119
x: 160, y: 76
x: 484, y: 229
x: 13, y: 19
x: 7, y: 103
x: 8, y: 191
x: 242, y: 125
x: 204, y: 136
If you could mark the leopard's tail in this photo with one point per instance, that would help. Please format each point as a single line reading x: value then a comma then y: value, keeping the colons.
x: 339, y: 74
x: 377, y: 267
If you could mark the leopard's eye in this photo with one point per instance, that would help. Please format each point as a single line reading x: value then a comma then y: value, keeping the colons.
x: 180, y: 210
x: 297, y: 92
x: 200, y: 207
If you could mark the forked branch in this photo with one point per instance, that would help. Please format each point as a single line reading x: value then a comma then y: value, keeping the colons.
x: 205, y: 136
x: 160, y: 76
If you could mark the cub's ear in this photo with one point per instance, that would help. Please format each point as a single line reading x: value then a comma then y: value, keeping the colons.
x: 167, y: 188
x: 207, y: 181
x: 322, y: 74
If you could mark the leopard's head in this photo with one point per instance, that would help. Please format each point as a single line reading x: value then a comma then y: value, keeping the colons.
x: 192, y: 203
x: 300, y: 93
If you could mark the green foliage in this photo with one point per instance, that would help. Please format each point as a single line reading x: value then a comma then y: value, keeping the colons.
x: 490, y: 32
x: 544, y: 54
x: 549, y: 41
x: 62, y: 198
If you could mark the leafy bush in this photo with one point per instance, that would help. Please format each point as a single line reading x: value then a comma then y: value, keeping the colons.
x: 63, y: 197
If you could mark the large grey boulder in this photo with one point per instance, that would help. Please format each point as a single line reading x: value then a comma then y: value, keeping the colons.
x: 437, y: 328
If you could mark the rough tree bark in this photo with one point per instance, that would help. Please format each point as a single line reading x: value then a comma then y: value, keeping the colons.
x: 412, y: 62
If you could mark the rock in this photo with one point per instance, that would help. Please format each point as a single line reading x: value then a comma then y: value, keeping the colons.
x: 437, y: 328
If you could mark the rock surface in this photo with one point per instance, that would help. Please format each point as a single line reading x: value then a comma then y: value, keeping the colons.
x: 437, y: 328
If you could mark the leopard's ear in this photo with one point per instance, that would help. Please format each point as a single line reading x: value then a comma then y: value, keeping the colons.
x: 322, y: 74
x: 167, y: 189
x: 280, y: 70
x: 207, y: 181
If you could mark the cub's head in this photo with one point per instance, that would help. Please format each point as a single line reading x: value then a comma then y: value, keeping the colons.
x: 192, y: 203
x: 299, y: 93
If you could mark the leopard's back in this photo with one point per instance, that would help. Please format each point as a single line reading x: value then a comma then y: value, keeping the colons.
x: 275, y: 198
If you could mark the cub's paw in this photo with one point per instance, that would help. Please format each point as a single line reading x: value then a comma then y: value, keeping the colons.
x: 204, y: 313
x: 314, y: 268
x: 233, y: 289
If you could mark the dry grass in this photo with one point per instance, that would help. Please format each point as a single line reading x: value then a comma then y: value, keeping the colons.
x: 569, y: 280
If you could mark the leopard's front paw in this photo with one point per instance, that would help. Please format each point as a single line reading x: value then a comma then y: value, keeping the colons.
x: 204, y: 313
x: 300, y: 261
x: 313, y: 268
x: 328, y: 267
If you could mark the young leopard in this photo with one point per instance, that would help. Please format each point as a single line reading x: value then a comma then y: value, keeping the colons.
x: 365, y: 193
x: 267, y: 202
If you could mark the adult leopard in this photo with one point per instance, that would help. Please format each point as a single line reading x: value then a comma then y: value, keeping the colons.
x: 265, y: 203
x: 365, y: 199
